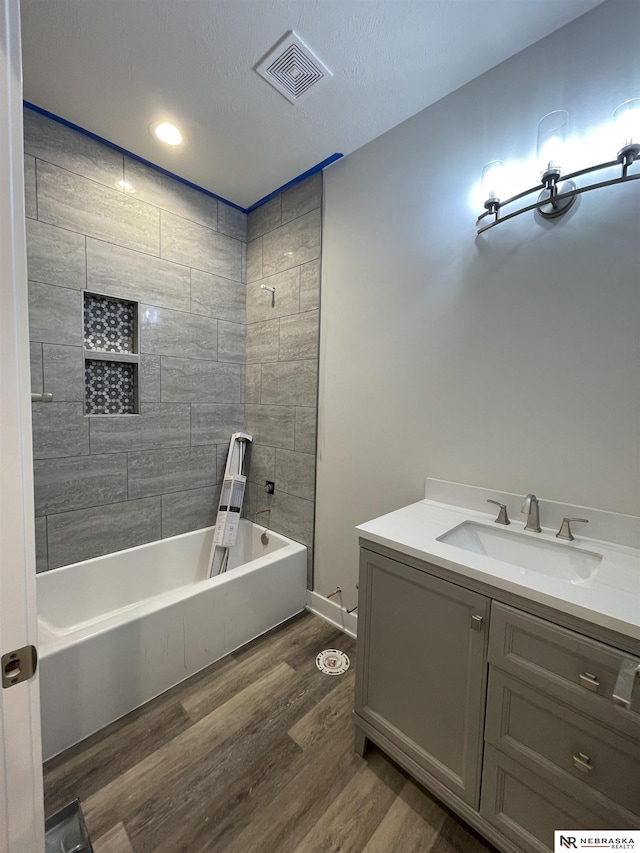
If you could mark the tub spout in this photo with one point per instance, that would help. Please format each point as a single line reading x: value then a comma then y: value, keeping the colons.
x: 265, y: 536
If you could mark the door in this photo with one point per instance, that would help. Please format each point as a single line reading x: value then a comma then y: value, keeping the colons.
x: 422, y: 669
x: 21, y: 800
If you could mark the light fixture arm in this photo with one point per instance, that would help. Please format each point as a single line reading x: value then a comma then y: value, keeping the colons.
x: 549, y: 183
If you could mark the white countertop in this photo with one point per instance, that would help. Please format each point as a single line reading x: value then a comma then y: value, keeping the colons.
x: 611, y: 599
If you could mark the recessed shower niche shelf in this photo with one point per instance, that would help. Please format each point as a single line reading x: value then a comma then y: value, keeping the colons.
x: 111, y: 355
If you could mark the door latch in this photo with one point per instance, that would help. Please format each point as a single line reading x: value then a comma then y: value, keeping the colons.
x: 19, y: 665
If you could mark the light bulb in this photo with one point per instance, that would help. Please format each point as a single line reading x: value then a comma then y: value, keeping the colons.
x: 492, y: 182
x: 167, y: 133
x: 552, y: 130
x: 626, y: 120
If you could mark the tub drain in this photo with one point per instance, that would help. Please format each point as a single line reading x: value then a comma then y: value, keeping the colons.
x: 332, y: 662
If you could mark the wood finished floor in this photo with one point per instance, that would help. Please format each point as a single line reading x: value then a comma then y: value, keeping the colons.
x: 252, y: 755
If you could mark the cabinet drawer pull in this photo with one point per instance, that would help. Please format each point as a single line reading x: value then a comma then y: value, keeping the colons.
x: 588, y: 680
x: 476, y: 623
x: 582, y: 762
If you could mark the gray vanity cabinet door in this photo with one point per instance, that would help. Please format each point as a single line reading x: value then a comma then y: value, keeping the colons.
x: 421, y: 669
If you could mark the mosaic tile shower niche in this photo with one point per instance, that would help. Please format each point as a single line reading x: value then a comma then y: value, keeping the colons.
x: 109, y: 324
x: 110, y: 355
x: 109, y: 388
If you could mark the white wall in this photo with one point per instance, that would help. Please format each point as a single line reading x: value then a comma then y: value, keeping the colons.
x: 509, y: 361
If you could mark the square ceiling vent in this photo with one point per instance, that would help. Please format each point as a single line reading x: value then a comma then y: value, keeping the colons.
x: 293, y: 69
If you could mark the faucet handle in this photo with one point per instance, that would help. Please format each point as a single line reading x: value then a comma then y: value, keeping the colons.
x: 502, y: 518
x: 565, y: 528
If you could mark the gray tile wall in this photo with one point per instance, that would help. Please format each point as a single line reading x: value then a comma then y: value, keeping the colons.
x: 282, y: 357
x: 107, y: 483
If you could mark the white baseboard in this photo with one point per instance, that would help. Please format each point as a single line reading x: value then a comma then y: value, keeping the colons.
x: 332, y: 613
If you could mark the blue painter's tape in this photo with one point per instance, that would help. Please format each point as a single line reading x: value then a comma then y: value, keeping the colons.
x: 121, y: 150
x: 318, y: 168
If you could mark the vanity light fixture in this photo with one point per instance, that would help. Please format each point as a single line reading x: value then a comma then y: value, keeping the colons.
x: 557, y: 191
x: 166, y: 132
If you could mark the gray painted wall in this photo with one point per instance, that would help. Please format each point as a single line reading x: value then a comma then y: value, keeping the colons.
x: 509, y: 361
x: 282, y: 357
x: 107, y: 483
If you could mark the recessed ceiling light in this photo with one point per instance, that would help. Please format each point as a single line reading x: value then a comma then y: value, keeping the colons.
x: 167, y: 133
x: 126, y: 186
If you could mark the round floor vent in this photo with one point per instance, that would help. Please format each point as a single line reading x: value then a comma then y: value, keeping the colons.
x: 332, y: 662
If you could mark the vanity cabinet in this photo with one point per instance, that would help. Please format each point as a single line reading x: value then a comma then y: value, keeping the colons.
x: 505, y: 716
x: 421, y: 673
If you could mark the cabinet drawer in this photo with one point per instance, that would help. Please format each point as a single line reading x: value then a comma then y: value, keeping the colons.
x: 526, y: 808
x: 543, y: 654
x: 593, y: 762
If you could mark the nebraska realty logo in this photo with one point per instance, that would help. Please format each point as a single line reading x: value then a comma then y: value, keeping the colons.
x: 612, y: 839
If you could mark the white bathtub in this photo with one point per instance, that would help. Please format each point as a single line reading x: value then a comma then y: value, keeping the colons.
x: 118, y: 630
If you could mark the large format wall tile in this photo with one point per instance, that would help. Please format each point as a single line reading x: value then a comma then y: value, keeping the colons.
x: 286, y: 300
x: 62, y: 485
x: 92, y: 532
x: 186, y: 380
x: 253, y: 375
x: 289, y: 383
x: 217, y: 297
x: 214, y: 423
x: 42, y: 563
x: 305, y: 430
x: 30, y: 200
x: 296, y: 473
x: 302, y: 198
x: 165, y: 192
x: 157, y: 425
x: 166, y: 332
x: 272, y: 425
x: 186, y: 242
x: 262, y: 466
x: 35, y: 368
x: 244, y: 263
x: 232, y: 222
x: 299, y: 336
x: 265, y: 218
x: 192, y: 510
x: 263, y: 341
x: 76, y: 203
x: 292, y: 516
x: 59, y: 429
x: 154, y: 472
x: 55, y: 314
x: 63, y: 372
x: 223, y: 452
x: 310, y: 286
x: 231, y: 342
x: 133, y: 275
x: 254, y: 260
x: 51, y: 141
x: 150, y: 378
x: 292, y: 244
x: 55, y: 255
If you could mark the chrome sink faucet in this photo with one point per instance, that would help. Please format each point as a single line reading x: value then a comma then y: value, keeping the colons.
x: 530, y: 506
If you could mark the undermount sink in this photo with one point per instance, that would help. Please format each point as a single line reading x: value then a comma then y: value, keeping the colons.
x: 562, y: 562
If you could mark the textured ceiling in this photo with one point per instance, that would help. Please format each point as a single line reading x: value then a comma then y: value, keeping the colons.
x: 115, y: 66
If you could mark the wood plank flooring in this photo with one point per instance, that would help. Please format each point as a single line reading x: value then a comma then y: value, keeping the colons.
x: 253, y: 755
